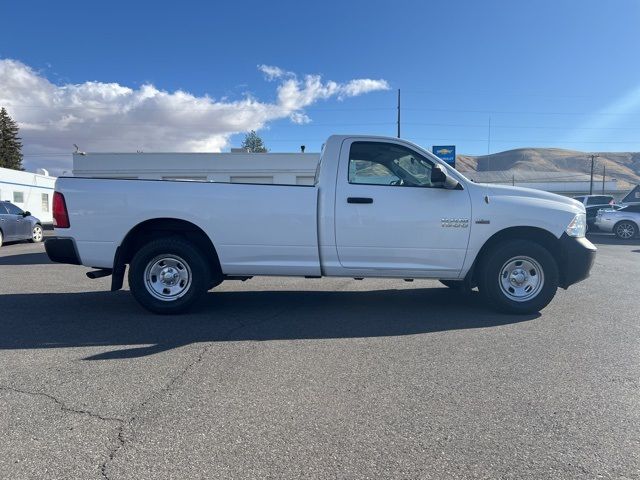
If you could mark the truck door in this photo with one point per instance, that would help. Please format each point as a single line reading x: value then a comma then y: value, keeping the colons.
x: 390, y: 218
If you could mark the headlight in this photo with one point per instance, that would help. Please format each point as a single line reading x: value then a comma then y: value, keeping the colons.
x: 578, y: 226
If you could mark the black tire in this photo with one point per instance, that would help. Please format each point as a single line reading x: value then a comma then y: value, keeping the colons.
x: 1, y: 238
x: 37, y: 238
x: 176, y: 252
x: 536, y: 267
x: 625, y: 230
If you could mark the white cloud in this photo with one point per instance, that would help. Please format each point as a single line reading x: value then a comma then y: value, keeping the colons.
x: 299, y: 118
x: 111, y: 117
x: 272, y: 73
x: 362, y: 86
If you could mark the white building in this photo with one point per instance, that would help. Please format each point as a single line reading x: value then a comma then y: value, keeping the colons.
x: 280, y: 168
x: 31, y: 192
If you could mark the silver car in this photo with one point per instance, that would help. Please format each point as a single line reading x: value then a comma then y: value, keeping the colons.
x: 16, y: 224
x: 625, y: 222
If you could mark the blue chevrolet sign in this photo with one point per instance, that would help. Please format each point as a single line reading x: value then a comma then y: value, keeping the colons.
x: 446, y: 153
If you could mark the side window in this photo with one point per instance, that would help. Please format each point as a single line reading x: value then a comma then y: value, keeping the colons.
x: 379, y: 163
x: 3, y: 210
x: 45, y: 202
x: 12, y: 209
x: 18, y: 197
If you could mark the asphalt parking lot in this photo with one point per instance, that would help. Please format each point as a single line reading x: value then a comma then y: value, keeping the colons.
x: 287, y: 378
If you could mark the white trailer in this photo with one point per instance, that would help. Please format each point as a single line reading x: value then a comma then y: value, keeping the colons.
x: 31, y: 192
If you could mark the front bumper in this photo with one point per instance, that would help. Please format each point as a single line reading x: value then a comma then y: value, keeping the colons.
x: 62, y: 250
x: 576, y: 259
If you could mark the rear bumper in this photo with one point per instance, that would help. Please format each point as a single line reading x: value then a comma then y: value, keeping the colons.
x: 577, y: 257
x: 62, y: 250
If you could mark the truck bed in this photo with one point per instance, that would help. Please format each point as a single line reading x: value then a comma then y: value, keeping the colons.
x: 272, y: 228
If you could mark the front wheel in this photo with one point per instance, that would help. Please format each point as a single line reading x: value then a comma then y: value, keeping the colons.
x: 518, y: 276
x: 168, y: 275
x: 36, y: 234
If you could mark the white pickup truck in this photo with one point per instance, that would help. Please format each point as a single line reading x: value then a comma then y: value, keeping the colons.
x: 380, y: 207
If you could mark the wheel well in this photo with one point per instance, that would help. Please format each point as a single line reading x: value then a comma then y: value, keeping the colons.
x: 164, y: 227
x: 625, y: 220
x: 534, y: 234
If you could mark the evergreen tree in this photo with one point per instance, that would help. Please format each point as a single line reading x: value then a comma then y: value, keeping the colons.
x: 253, y: 143
x: 10, y: 144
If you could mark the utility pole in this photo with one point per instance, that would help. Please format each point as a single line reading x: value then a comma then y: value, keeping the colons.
x: 604, y: 174
x: 398, y: 113
x: 489, y: 138
x: 593, y: 160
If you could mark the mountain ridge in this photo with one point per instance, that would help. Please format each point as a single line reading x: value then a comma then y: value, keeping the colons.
x: 623, y: 166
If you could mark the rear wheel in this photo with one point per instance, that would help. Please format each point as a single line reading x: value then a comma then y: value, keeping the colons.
x: 518, y: 276
x: 37, y: 235
x: 168, y: 275
x: 1, y: 238
x: 625, y: 230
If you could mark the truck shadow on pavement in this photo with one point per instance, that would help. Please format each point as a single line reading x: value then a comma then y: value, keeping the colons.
x: 105, y: 319
x: 25, y: 259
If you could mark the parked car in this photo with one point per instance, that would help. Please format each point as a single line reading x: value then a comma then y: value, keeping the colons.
x: 16, y: 224
x: 595, y: 200
x: 592, y: 212
x: 625, y: 222
x: 426, y: 220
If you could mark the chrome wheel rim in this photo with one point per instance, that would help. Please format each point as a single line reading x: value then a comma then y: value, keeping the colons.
x: 167, y: 277
x: 37, y: 234
x: 625, y: 230
x: 521, y: 278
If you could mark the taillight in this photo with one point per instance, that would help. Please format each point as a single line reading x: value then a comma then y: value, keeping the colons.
x: 60, y: 214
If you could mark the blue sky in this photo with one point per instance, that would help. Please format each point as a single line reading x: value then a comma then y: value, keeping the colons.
x: 548, y: 73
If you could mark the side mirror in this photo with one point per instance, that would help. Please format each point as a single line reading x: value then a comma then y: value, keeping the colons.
x: 439, y: 178
x: 26, y: 214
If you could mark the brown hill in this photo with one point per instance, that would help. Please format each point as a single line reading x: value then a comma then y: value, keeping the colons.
x: 624, y: 166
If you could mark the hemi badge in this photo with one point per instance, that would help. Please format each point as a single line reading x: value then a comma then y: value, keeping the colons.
x: 483, y: 222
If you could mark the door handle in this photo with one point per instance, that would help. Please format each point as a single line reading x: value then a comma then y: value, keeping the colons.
x: 359, y: 200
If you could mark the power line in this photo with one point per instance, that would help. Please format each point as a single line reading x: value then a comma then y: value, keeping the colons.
x: 519, y: 112
x: 351, y: 124
x: 217, y: 108
x: 500, y: 94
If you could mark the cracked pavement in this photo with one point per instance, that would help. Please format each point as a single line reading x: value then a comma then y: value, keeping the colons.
x: 289, y: 378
